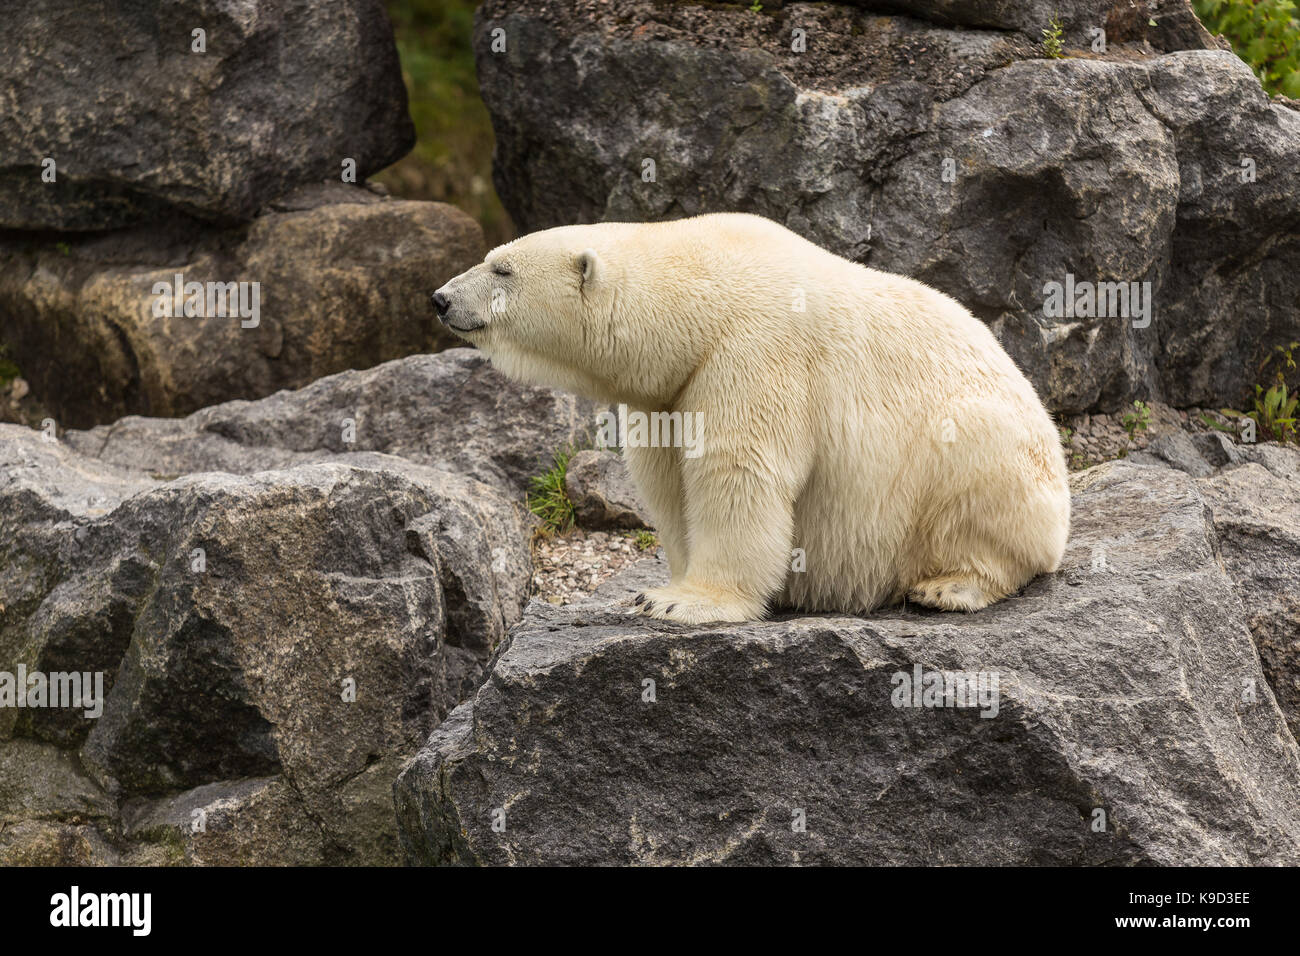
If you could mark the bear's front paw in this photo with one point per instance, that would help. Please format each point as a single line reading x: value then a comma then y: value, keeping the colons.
x: 693, y: 604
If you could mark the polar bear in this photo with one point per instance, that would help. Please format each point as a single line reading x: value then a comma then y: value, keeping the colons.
x: 864, y: 439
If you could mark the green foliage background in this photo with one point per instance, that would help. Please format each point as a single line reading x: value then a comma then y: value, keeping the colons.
x: 1264, y: 33
x: 452, y: 159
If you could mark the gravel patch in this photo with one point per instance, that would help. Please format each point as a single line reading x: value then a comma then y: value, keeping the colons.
x: 568, y: 567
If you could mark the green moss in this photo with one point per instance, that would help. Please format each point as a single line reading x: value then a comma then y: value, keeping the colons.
x: 646, y: 540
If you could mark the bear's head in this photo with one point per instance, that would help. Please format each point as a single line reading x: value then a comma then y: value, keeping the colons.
x: 541, y: 308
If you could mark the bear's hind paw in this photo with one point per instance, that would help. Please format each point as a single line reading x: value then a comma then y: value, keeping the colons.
x: 951, y: 594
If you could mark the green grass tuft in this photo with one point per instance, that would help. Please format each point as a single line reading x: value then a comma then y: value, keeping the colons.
x: 547, y: 497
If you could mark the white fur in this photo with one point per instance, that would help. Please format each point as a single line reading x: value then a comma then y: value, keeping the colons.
x: 823, y: 430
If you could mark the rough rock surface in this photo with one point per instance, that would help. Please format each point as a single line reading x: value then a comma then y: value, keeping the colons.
x: 142, y: 126
x: 936, y: 140
x: 1253, y: 492
x: 451, y: 410
x: 344, y: 280
x: 603, y: 493
x: 1257, y: 523
x: 1164, y: 24
x: 1133, y: 726
x: 1204, y: 453
x: 280, y: 620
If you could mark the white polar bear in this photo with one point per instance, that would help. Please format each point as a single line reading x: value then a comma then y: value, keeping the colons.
x: 864, y: 438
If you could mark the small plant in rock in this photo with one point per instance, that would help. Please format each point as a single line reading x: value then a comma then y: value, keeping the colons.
x: 547, y: 497
x: 1136, y: 420
x: 1053, y: 44
x: 646, y: 540
x: 755, y: 7
x: 1275, y: 411
x: 1274, y: 414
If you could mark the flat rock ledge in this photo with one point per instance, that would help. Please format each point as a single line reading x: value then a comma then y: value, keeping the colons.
x: 1132, y: 723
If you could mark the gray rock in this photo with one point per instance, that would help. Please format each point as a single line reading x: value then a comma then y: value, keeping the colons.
x: 649, y: 572
x: 451, y: 410
x: 142, y: 127
x: 344, y: 281
x: 54, y: 843
x: 39, y: 781
x: 310, y: 626
x: 280, y: 617
x: 1166, y: 25
x: 1120, y: 693
x: 1257, y: 526
x: 603, y: 493
x: 1253, y: 494
x: 1204, y: 453
x: 255, y: 822
x: 1281, y: 461
x: 1176, y: 449
x: 1216, y: 448
x: 943, y: 146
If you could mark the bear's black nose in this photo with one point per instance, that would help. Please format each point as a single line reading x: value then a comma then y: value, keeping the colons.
x: 441, y: 303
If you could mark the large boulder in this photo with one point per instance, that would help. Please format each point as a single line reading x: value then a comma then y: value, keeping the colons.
x: 1130, y: 723
x: 141, y: 124
x: 451, y: 411
x: 341, y: 279
x: 940, y: 143
x: 278, y: 620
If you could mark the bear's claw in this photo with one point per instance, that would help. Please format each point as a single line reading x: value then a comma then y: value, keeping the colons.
x: 688, y: 604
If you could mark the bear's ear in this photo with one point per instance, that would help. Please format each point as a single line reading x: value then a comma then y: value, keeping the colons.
x: 589, y: 265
